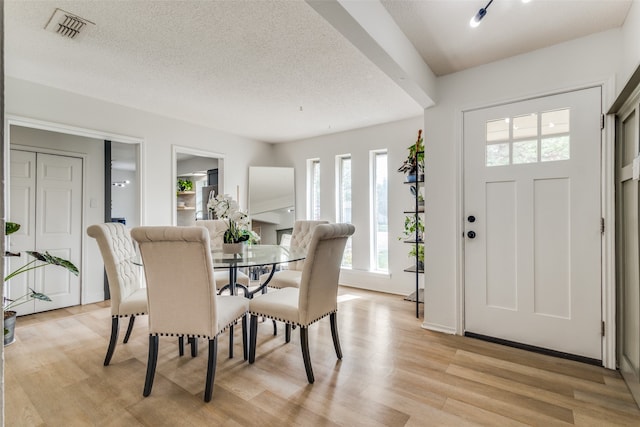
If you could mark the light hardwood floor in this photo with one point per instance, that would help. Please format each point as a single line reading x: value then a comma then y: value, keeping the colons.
x: 394, y: 373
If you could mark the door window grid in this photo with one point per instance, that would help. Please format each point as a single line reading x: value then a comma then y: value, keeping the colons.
x: 530, y: 138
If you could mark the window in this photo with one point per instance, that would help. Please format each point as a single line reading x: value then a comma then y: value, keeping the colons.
x: 531, y: 138
x: 343, y: 201
x: 379, y: 217
x: 313, y: 189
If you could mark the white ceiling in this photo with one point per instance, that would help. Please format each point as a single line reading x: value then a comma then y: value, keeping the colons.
x: 272, y: 70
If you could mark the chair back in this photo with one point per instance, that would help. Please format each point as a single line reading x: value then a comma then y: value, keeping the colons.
x: 181, y: 288
x: 319, y: 285
x: 118, y: 255
x: 216, y: 229
x: 301, y: 238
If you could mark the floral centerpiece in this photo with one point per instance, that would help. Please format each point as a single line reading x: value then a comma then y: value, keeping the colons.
x: 224, y: 207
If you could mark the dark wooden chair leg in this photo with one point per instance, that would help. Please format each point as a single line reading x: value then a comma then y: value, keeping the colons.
x: 231, y: 342
x: 151, y: 364
x: 113, y: 340
x: 253, y: 338
x: 304, y: 341
x: 129, y: 329
x: 194, y: 346
x: 211, y: 369
x: 275, y: 328
x: 287, y: 332
x: 245, y: 347
x: 334, y: 334
x: 181, y: 345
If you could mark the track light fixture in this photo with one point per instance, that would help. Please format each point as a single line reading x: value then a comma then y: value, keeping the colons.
x: 475, y: 21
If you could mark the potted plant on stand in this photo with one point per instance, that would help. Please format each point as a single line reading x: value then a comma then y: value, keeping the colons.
x: 411, y: 225
x: 418, y: 251
x: 238, y: 232
x: 413, y: 166
x: 40, y: 260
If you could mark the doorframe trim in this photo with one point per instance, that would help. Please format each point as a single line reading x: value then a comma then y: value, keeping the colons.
x: 607, y: 207
x: 32, y: 123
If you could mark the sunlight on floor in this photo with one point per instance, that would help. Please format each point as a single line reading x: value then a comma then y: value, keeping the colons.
x: 347, y: 297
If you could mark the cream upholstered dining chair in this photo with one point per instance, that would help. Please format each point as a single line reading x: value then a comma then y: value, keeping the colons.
x: 182, y: 294
x: 316, y: 297
x: 216, y: 228
x: 128, y: 297
x: 300, y: 238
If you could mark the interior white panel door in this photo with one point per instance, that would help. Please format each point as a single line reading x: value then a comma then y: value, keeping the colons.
x: 22, y: 211
x: 59, y: 227
x: 532, y: 186
x: 46, y: 199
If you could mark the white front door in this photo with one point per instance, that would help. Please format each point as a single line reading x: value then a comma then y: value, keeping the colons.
x: 532, y: 222
x: 46, y: 200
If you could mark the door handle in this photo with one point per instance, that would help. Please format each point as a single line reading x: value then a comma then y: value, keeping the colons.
x: 471, y: 234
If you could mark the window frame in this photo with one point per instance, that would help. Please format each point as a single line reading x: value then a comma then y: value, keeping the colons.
x: 340, y: 200
x: 373, y: 233
x: 313, y: 199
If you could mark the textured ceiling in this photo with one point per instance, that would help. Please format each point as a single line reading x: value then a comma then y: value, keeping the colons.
x: 271, y: 70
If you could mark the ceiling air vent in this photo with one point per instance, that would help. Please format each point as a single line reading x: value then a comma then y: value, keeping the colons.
x: 66, y: 24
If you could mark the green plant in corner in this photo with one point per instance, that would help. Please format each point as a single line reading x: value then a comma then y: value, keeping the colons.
x: 415, y: 158
x: 40, y: 260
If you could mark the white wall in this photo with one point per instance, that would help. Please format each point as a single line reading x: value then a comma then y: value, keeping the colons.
x: 159, y: 133
x: 395, y: 137
x: 630, y: 44
x: 93, y: 149
x: 585, y: 61
x: 195, y: 164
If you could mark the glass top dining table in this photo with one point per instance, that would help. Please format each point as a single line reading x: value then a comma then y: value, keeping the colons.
x: 254, y: 256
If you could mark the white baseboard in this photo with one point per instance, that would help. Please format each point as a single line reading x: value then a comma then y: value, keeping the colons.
x: 439, y: 328
x: 379, y: 282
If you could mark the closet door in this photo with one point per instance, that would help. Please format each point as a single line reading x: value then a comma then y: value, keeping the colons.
x: 46, y: 199
x: 628, y: 246
x: 22, y: 211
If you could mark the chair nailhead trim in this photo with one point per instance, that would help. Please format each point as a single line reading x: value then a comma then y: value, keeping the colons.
x: 127, y: 315
x: 167, y: 334
x: 255, y: 313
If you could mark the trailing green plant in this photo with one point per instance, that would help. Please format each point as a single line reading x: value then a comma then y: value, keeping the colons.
x: 412, y: 223
x: 40, y: 260
x: 417, y: 249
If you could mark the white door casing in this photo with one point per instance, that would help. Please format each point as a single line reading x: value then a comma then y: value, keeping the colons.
x: 532, y: 182
x: 46, y: 199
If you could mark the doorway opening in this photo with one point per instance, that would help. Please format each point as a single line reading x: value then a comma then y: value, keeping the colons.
x: 198, y: 176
